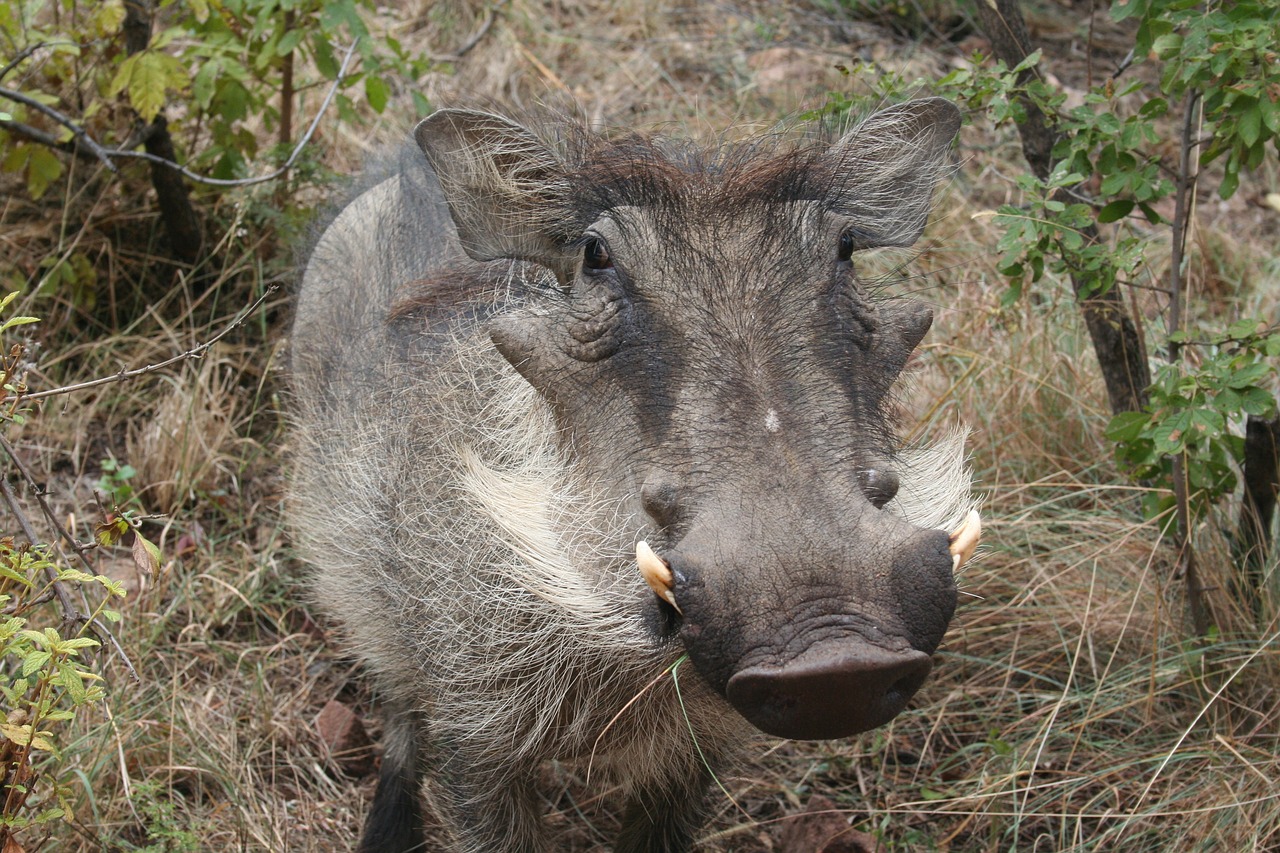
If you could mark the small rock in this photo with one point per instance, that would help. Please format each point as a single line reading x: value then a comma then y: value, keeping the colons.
x: 344, y: 737
x: 824, y: 828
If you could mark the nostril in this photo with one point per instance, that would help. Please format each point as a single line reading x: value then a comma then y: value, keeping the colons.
x: 660, y: 502
x: 905, y: 687
x: 880, y: 485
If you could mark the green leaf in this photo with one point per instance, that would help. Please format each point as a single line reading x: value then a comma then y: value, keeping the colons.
x: 1130, y: 9
x: 289, y: 42
x: 1167, y: 46
x: 1154, y: 108
x: 1257, y: 402
x: 1207, y: 423
x: 203, y: 85
x: 322, y: 53
x: 1238, y: 330
x: 43, y: 168
x: 69, y: 678
x: 1250, y: 126
x: 123, y: 74
x: 1270, y: 115
x: 1126, y: 426
x: 1032, y: 59
x: 1115, y: 211
x: 108, y: 17
x: 1151, y: 214
x: 154, y: 74
x: 33, y: 662
x: 1248, y: 375
x: 1170, y: 434
x: 1230, y: 183
x: 376, y: 92
x: 75, y: 643
x: 17, y: 321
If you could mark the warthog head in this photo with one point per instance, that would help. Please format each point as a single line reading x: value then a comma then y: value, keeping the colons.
x: 711, y: 355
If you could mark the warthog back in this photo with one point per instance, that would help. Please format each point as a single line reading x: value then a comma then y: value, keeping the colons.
x: 573, y: 410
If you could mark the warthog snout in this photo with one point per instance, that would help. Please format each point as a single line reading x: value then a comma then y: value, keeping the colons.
x: 811, y: 648
x: 834, y: 690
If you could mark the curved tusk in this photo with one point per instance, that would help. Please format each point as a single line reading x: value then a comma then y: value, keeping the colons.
x: 964, y: 541
x: 656, y: 573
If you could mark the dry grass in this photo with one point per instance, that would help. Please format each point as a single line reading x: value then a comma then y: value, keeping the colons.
x: 1069, y: 712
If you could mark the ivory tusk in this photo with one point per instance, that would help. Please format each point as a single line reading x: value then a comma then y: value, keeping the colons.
x: 964, y: 541
x: 656, y: 573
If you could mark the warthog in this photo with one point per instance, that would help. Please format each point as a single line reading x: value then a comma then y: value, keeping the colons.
x: 572, y: 407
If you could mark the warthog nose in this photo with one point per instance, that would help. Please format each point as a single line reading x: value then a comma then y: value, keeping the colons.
x: 829, y: 692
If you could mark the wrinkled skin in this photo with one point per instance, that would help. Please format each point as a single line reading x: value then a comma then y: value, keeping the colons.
x: 686, y: 340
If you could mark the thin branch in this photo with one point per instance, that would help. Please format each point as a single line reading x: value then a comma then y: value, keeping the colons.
x: 48, y: 140
x: 1184, y: 203
x: 491, y: 14
x: 1123, y: 66
x: 270, y: 176
x: 70, y: 613
x: 23, y: 54
x: 81, y: 134
x: 105, y: 154
x: 195, y: 352
x: 1182, y: 212
x: 138, y: 136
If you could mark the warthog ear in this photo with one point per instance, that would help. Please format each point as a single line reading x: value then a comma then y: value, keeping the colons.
x: 884, y: 170
x: 498, y: 179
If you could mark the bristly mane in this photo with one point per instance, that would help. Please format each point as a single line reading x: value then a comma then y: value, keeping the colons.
x: 639, y: 171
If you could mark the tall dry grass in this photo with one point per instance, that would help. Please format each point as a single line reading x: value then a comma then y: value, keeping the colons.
x: 1069, y: 711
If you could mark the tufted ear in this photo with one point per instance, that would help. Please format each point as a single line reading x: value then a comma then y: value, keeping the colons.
x: 500, y: 181
x: 884, y: 170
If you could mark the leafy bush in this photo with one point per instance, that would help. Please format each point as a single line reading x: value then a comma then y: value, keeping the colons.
x: 46, y: 680
x: 232, y: 64
x: 1097, y: 214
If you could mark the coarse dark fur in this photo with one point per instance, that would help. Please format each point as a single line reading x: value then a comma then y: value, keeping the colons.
x: 516, y: 357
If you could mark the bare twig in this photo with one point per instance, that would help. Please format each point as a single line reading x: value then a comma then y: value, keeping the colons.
x: 491, y: 14
x: 1184, y: 202
x: 81, y: 135
x: 270, y: 176
x: 105, y: 155
x: 23, y: 54
x: 1123, y: 66
x: 137, y: 137
x: 70, y: 613
x: 195, y: 352
x: 44, y: 138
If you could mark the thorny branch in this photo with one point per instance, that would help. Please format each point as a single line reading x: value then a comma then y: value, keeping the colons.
x: 195, y: 352
x: 105, y: 155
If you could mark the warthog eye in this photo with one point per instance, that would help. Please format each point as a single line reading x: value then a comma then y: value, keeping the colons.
x: 595, y: 255
x: 847, y: 244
